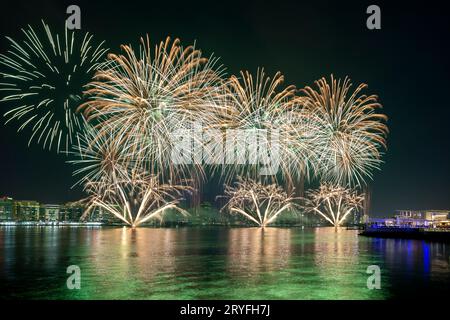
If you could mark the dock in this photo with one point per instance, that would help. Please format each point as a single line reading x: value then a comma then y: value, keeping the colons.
x: 429, y: 234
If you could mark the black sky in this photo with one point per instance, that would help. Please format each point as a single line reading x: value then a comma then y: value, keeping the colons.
x: 406, y: 63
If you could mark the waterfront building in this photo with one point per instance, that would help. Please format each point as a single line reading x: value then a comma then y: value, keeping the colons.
x: 26, y: 210
x: 415, y: 219
x: 6, y: 209
x: 357, y: 217
x: 71, y: 211
x: 422, y: 218
x: 50, y: 212
x: 437, y: 215
x: 32, y: 211
x: 98, y: 214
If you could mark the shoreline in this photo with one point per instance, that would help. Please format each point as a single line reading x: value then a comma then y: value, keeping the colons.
x: 168, y: 225
x: 408, y: 233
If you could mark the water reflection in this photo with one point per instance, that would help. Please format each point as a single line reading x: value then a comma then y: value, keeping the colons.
x: 430, y: 256
x: 255, y: 250
x: 127, y: 254
x: 335, y: 248
x: 216, y: 263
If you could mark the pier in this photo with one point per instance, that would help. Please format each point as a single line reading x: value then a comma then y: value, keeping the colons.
x: 430, y: 234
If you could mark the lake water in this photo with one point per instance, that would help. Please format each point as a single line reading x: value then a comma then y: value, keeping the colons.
x: 216, y: 263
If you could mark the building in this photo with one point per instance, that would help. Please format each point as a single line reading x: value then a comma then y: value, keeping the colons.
x: 97, y: 214
x: 32, y: 211
x: 50, y: 212
x: 26, y: 210
x: 423, y: 218
x: 415, y: 219
x: 71, y: 212
x: 6, y: 209
x: 437, y: 215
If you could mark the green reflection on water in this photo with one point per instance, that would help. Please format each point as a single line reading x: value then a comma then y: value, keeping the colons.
x: 190, y: 263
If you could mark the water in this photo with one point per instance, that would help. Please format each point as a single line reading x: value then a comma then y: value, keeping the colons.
x: 216, y: 263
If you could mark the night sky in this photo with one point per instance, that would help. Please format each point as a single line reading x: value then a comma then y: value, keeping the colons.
x: 406, y: 64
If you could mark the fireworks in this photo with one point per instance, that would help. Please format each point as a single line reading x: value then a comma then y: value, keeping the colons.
x: 116, y: 184
x: 333, y: 203
x: 100, y: 156
x: 43, y: 80
x: 258, y: 203
x: 258, y: 104
x: 134, y: 199
x: 139, y: 101
x: 147, y: 95
x: 349, y: 132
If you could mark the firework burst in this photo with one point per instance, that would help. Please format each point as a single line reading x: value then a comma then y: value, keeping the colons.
x: 100, y: 156
x: 43, y: 77
x: 116, y: 184
x: 134, y: 199
x: 258, y: 105
x: 258, y: 203
x: 332, y: 202
x: 146, y: 95
x: 349, y: 133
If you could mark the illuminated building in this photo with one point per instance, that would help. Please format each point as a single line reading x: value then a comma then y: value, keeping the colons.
x: 98, y: 214
x: 6, y: 209
x: 71, y: 212
x: 415, y: 219
x: 26, y: 210
x: 50, y: 212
